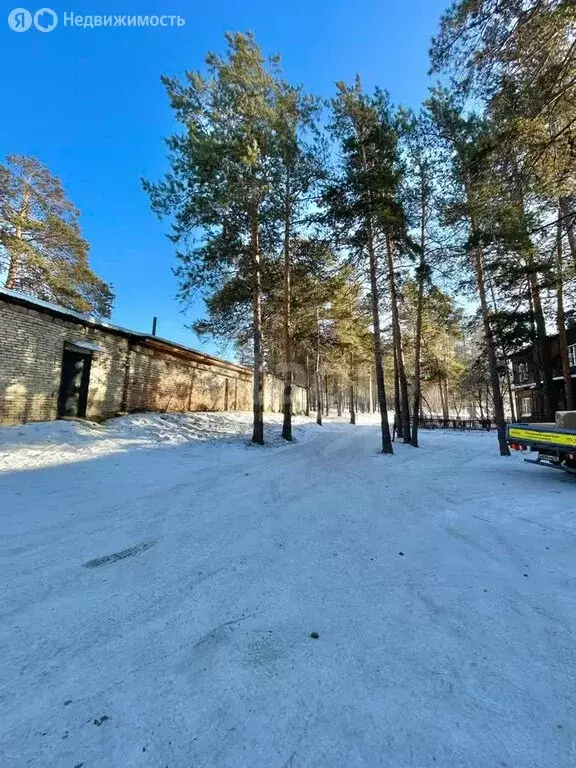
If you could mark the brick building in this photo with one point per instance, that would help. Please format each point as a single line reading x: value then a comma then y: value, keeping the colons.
x: 526, y: 385
x: 55, y: 362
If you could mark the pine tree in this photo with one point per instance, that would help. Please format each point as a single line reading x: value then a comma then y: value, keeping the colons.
x: 223, y: 171
x: 518, y: 59
x: 561, y: 322
x: 301, y: 167
x: 463, y: 135
x: 421, y: 168
x: 42, y: 251
x: 521, y: 51
x: 362, y: 204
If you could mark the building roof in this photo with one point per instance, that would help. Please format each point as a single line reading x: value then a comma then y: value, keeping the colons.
x: 528, y: 350
x: 23, y: 299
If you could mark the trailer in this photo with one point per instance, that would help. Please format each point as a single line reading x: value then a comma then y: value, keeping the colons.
x: 555, y: 445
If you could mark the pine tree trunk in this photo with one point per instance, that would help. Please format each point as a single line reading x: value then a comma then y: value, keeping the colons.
x: 504, y: 353
x: 287, y: 403
x: 543, y: 350
x: 397, y: 408
x: 480, y: 403
x: 427, y: 404
x: 318, y: 375
x: 404, y: 400
x: 15, y: 253
x: 498, y: 403
x: 419, y: 313
x: 318, y: 399
x: 375, y: 300
x: 258, y: 391
x: 307, y: 386
x: 370, y: 395
x: 326, y: 397
x: 545, y: 373
x: 380, y: 386
x: 508, y: 382
x: 561, y: 323
x: 12, y: 271
x: 535, y: 356
x: 443, y: 400
x: 417, y: 372
x: 14, y: 265
x: 352, y: 394
x: 567, y: 208
x: 510, y: 393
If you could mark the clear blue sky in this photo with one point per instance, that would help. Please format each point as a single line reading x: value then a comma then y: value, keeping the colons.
x: 89, y: 104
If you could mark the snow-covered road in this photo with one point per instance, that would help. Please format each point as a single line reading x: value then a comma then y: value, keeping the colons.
x: 441, y: 583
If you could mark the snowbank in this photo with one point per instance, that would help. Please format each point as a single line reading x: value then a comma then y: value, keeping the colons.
x: 44, y: 444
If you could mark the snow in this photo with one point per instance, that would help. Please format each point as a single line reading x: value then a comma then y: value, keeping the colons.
x: 51, y: 307
x: 55, y: 442
x: 161, y: 581
x: 44, y: 444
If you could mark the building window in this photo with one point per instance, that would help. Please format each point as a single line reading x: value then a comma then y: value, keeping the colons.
x: 522, y: 372
x: 572, y: 355
x: 526, y: 406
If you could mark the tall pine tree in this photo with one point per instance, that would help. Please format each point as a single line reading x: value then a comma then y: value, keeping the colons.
x: 223, y: 171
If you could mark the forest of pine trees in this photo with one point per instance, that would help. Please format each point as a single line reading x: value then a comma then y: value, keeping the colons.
x: 385, y: 258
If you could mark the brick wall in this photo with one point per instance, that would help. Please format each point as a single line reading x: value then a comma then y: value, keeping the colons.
x: 160, y: 381
x: 31, y: 349
x: 274, y: 396
x: 125, y: 374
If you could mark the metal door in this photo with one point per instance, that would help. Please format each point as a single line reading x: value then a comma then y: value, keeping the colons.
x: 74, y: 382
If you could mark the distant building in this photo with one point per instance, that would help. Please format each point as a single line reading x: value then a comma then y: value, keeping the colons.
x: 527, y: 382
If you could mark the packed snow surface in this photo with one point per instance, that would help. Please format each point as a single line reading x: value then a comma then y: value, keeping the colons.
x: 172, y: 596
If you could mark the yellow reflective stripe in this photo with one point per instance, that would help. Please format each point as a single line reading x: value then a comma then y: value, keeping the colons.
x: 542, y: 437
